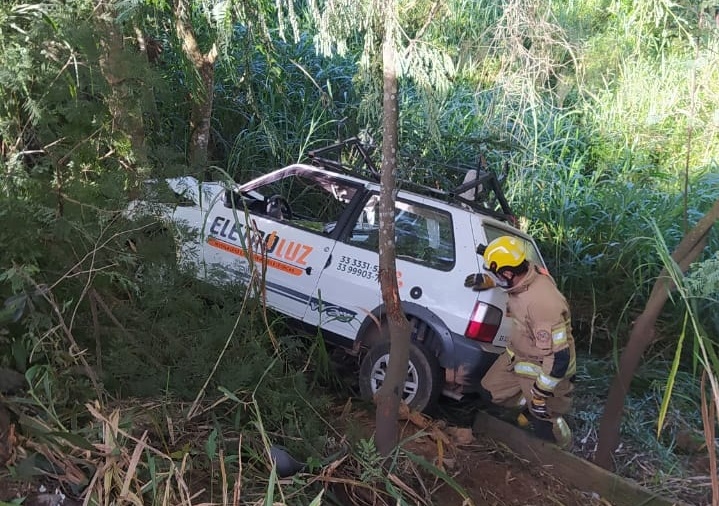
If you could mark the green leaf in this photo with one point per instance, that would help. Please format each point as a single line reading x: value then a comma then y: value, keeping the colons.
x: 27, y: 468
x: 672, y: 377
x: 211, y: 445
x: 228, y: 394
x: 270, y: 494
x: 317, y: 501
x: 19, y: 353
x: 13, y: 308
x: 71, y: 438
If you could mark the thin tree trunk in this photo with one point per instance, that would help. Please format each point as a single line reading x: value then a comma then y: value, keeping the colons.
x: 151, y: 49
x: 201, y: 116
x: 123, y: 103
x: 642, y: 335
x: 203, y: 93
x: 389, y: 395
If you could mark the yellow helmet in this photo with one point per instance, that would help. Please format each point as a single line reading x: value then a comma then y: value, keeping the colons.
x: 504, y: 251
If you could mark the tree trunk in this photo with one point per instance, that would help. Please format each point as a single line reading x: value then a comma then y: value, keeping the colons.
x: 123, y: 103
x: 642, y: 335
x: 150, y: 49
x: 389, y: 395
x: 203, y: 92
x: 201, y: 116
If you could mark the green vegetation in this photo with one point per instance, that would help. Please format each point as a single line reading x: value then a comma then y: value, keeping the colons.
x: 603, y: 111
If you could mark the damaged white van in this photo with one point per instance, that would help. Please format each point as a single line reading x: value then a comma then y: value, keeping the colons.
x: 311, y: 230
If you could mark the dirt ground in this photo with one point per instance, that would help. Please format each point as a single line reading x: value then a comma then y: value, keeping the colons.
x: 491, y: 475
x: 488, y: 473
x: 486, y: 470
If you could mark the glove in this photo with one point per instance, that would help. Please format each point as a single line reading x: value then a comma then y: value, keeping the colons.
x: 538, y: 405
x: 479, y: 282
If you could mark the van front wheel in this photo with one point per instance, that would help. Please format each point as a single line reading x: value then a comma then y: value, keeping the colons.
x: 422, y: 386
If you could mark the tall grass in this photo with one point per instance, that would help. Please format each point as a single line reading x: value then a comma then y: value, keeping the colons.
x: 603, y: 111
x: 302, y: 102
x: 672, y: 463
x: 629, y: 135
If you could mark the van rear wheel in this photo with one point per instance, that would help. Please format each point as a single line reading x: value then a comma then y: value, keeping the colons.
x: 423, y: 384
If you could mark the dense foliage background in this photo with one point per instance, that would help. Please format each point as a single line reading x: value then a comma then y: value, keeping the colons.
x: 601, y: 116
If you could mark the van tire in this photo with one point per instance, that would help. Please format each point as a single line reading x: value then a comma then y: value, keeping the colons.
x: 424, y: 382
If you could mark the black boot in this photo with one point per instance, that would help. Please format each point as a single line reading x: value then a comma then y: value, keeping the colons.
x: 484, y: 399
x: 484, y: 403
x: 509, y: 415
x: 543, y: 429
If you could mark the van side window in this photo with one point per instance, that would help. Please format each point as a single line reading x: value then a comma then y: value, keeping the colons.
x: 422, y: 235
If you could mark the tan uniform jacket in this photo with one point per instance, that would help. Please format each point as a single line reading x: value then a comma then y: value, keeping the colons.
x: 542, y: 328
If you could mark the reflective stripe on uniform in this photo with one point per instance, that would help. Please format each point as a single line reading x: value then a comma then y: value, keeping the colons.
x: 547, y: 382
x: 544, y: 381
x: 561, y: 432
x: 527, y: 369
x: 559, y: 335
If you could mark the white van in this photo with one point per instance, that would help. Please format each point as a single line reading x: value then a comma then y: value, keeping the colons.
x: 313, y: 231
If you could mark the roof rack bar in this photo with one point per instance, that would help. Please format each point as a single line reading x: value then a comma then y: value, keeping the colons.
x: 316, y: 156
x: 480, y: 180
x: 483, y: 178
x: 485, y: 181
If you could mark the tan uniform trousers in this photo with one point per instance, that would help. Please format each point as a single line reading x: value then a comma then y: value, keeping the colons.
x: 508, y: 388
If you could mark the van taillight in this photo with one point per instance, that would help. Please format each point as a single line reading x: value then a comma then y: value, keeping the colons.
x: 484, y: 322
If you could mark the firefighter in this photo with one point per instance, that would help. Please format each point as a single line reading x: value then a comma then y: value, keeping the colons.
x: 537, y: 368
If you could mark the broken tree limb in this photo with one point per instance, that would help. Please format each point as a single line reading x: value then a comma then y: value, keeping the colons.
x: 643, y: 334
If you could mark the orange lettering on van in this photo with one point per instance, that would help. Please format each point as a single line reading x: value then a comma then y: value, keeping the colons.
x: 306, y: 250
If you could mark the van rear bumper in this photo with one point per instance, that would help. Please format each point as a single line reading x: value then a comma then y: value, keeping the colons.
x: 472, y: 361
